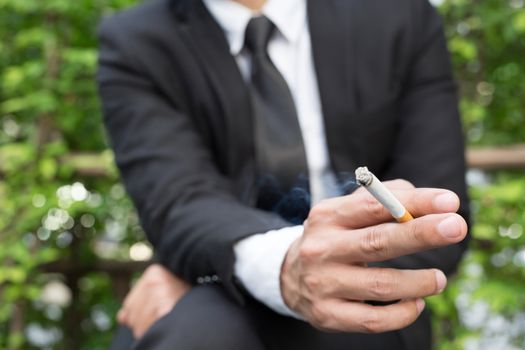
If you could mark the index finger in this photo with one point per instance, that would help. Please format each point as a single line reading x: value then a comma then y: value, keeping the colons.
x: 361, y: 209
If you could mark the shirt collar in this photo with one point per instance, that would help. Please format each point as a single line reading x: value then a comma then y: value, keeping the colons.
x: 289, y: 16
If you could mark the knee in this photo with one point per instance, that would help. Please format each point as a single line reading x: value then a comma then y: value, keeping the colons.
x: 204, y: 319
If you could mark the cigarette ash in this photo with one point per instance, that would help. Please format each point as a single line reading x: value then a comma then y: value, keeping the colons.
x: 363, y: 176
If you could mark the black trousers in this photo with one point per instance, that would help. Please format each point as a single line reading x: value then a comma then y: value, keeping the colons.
x: 207, y: 319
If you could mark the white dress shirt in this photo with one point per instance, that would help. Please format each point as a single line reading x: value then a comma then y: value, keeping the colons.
x: 258, y: 258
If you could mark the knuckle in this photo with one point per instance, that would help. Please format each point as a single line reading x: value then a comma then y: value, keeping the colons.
x: 150, y: 281
x: 154, y: 272
x: 382, y: 285
x: 414, y: 230
x: 374, y: 242
x: 340, y: 213
x: 373, y: 207
x: 153, y: 269
x: 320, y: 211
x: 312, y: 283
x: 320, y: 316
x: 311, y: 250
x: 372, y: 322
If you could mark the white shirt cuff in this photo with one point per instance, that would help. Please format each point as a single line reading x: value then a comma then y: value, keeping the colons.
x: 258, y: 261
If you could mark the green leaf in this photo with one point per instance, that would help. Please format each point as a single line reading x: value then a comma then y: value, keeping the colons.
x: 519, y: 21
x: 48, y: 168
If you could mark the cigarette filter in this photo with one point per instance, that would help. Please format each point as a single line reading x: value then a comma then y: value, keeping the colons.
x: 369, y: 181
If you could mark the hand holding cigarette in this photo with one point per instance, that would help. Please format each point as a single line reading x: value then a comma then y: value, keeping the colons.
x: 325, y: 276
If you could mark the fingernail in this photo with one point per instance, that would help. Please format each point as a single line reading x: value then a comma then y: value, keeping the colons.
x: 446, y: 202
x: 450, y: 227
x: 441, y: 281
x: 420, y: 304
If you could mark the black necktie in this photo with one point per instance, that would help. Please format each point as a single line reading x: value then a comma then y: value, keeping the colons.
x: 279, y: 145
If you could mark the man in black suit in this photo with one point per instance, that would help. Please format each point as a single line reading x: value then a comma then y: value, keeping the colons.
x: 230, y: 119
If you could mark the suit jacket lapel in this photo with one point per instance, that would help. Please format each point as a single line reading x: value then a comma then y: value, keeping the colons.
x: 207, y: 40
x: 332, y: 24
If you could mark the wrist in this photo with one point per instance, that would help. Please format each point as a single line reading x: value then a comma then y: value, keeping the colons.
x: 289, y: 284
x: 258, y: 264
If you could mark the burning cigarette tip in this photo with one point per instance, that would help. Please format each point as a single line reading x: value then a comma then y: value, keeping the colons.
x: 363, y: 176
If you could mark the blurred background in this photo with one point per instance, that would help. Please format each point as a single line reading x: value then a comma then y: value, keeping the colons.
x: 70, y: 242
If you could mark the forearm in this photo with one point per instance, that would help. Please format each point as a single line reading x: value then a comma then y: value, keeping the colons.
x: 198, y: 237
x: 185, y: 202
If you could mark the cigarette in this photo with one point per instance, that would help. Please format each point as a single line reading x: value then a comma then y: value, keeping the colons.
x: 369, y: 181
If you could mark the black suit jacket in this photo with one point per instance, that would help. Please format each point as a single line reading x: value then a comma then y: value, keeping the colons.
x: 179, y: 119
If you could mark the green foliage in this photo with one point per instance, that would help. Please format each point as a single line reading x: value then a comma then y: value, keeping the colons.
x: 48, y: 111
x: 50, y: 211
x: 483, y: 306
x: 486, y: 299
x: 487, y: 39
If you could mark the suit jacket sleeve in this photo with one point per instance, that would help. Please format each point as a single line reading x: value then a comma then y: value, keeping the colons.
x: 185, y: 204
x: 429, y: 150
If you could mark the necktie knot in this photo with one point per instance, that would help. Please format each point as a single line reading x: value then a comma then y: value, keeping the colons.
x: 258, y: 33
